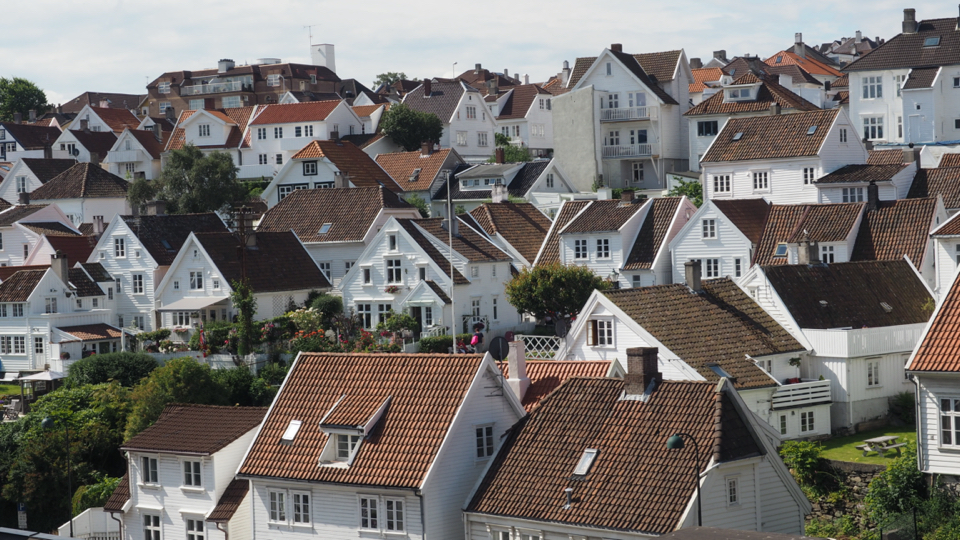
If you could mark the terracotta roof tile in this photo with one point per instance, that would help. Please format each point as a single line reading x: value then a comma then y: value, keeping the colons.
x: 770, y: 137
x: 437, y: 290
x: 520, y: 224
x: 196, y: 429
x: 632, y: 63
x: 885, y: 157
x: 603, y: 216
x: 811, y: 65
x: 634, y: 484
x: 92, y: 332
x: 661, y: 65
x: 120, y: 495
x: 652, y: 233
x: 550, y: 252
x: 547, y: 375
x: 852, y: 294
x: 17, y: 288
x: 719, y: 326
x: 349, y: 211
x: 797, y: 73
x: 440, y: 259
x: 402, y: 165
x: 83, y: 181
x: 939, y: 348
x: 702, y: 76
x: 239, y: 116
x: 787, y: 224
x: 895, y: 229
x: 519, y: 186
x: 949, y: 160
x: 162, y: 236
x: 842, y: 81
x: 364, y: 111
x: 46, y: 169
x: 748, y: 215
x: 943, y: 181
x: 426, y: 391
x: 117, y: 119
x: 360, y: 167
x: 6, y: 272
x: 230, y: 501
x: 769, y: 93
x: 862, y: 174
x: 311, y: 111
x: 470, y: 244
x: 907, y: 50
x: 278, y: 263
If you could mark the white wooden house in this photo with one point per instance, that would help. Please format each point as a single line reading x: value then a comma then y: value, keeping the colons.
x: 18, y: 141
x: 28, y: 174
x: 86, y: 192
x: 860, y: 320
x: 517, y: 228
x: 423, y: 171
x: 339, y: 465
x: 217, y: 130
x: 105, y: 119
x: 23, y: 226
x: 178, y: 470
x: 468, y: 126
x: 83, y: 145
x: 749, y: 347
x: 524, y: 113
x: 136, y: 153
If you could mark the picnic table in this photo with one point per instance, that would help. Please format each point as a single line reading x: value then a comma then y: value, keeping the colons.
x: 881, y: 445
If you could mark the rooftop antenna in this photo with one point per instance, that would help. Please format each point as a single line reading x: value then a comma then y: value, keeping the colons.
x: 310, y: 32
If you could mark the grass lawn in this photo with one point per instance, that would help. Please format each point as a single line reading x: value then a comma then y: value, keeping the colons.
x: 844, y: 448
x: 6, y: 389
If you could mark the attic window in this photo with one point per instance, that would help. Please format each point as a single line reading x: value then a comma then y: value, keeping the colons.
x: 812, y: 130
x: 931, y: 41
x: 886, y: 307
x: 291, y: 432
x: 781, y: 250
x: 586, y: 461
x: 415, y: 176
x: 719, y: 371
x: 738, y: 135
x: 779, y: 59
x: 325, y: 228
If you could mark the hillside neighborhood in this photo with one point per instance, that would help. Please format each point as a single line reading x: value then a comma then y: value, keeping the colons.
x: 644, y: 296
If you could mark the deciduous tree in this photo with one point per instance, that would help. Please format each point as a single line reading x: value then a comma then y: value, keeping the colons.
x: 554, y: 290
x: 192, y: 182
x: 20, y: 96
x: 389, y: 78
x: 410, y: 128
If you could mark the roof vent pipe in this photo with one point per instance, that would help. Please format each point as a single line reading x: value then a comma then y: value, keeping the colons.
x: 569, y: 493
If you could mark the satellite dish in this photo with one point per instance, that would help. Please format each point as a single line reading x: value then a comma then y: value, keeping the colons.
x: 499, y: 348
x: 75, y: 152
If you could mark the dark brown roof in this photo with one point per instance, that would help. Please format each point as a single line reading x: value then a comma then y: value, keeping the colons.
x: 76, y: 248
x: 885, y: 157
x: 97, y: 272
x: 120, y: 495
x: 634, y: 483
x: 349, y: 211
x: 50, y: 228
x: 943, y: 181
x: 771, y: 137
x: 748, y: 215
x: 443, y: 99
x: 99, y: 142
x: 279, y: 262
x: 162, y: 236
x: 470, y: 244
x: 229, y: 501
x: 83, y: 284
x: 92, y: 332
x: 521, y: 225
x: 83, y: 181
x: 921, y: 78
x: 632, y: 63
x: 949, y: 160
x: 842, y: 81
x: 770, y: 92
x: 519, y: 186
x: 437, y: 290
x: 17, y: 288
x: 861, y: 174
x: 604, y: 216
x: 787, y: 223
x: 425, y: 392
x: 350, y: 160
x: 16, y: 213
x: 46, y: 169
x: 149, y: 141
x: 652, y: 233
x: 895, y: 229
x: 938, y: 350
x: 114, y: 100
x: 852, y: 294
x: 195, y: 429
x: 718, y: 326
x: 401, y: 166
x: 6, y: 272
x: 439, y: 258
x: 32, y: 137
x: 907, y: 50
x: 550, y: 252
x: 520, y: 100
x: 547, y: 375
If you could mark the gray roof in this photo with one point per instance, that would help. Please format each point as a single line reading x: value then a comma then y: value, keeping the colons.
x: 487, y: 170
x: 443, y: 98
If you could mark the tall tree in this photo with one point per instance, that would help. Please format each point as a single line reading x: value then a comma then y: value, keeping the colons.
x: 409, y: 127
x: 192, y: 182
x: 389, y: 78
x: 20, y: 96
x: 554, y: 290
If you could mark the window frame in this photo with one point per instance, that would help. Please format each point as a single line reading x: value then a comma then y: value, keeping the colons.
x: 873, y: 372
x: 149, y: 471
x: 761, y: 181
x: 195, y: 474
x: 722, y: 181
x: 299, y: 508
x: 708, y: 228
x: 954, y: 413
x: 387, y: 529
x: 603, y: 248
x: 707, y: 128
x: 309, y: 168
x: 807, y: 421
x: 156, y: 526
x: 485, y: 443
x: 198, y: 532
x: 373, y: 517
x: 277, y: 506
x: 581, y: 251
x: 732, y: 490
x: 601, y: 333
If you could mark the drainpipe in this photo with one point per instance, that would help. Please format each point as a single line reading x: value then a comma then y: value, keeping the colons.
x: 916, y: 400
x: 417, y: 492
x: 226, y: 535
x: 113, y: 516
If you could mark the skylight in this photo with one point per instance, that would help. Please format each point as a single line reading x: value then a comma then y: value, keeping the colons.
x: 886, y: 307
x: 738, y: 136
x: 779, y: 59
x: 291, y: 432
x: 719, y: 371
x: 166, y: 245
x: 325, y: 228
x: 781, y: 250
x: 812, y: 130
x: 931, y: 41
x: 586, y: 461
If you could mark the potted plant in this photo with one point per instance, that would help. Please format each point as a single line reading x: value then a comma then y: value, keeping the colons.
x: 64, y: 356
x: 391, y: 289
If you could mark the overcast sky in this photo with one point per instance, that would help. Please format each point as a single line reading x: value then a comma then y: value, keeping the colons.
x: 71, y: 47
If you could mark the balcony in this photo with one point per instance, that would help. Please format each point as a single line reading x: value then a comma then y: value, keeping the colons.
x: 215, y: 88
x: 257, y: 171
x: 802, y: 394
x: 628, y: 114
x: 629, y: 150
x: 127, y: 156
x: 860, y: 342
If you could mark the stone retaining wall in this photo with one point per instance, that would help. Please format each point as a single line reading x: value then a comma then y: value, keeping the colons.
x: 855, y: 477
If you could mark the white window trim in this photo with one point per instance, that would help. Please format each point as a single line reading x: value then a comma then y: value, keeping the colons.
x: 186, y: 487
x: 286, y: 507
x: 760, y: 190
x: 954, y: 444
x: 494, y: 440
x: 613, y: 333
x: 140, y: 480
x: 726, y: 489
x: 878, y: 382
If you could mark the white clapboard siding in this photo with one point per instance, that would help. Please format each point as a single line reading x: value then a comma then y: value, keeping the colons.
x: 717, y: 512
x: 779, y: 512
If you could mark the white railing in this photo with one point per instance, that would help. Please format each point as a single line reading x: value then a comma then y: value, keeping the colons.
x: 859, y: 342
x: 630, y: 113
x: 92, y: 524
x: 540, y: 347
x: 434, y: 332
x: 126, y: 156
x: 801, y: 394
x: 628, y: 150
x: 211, y: 88
x: 256, y: 171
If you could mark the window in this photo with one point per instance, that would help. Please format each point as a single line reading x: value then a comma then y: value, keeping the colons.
x: 137, y: 284
x: 346, y: 444
x: 957, y: 247
x: 783, y: 424
x: 808, y: 175
x: 609, y: 69
x: 366, y: 275
x: 298, y: 132
x: 761, y: 180
x: 600, y: 332
x: 204, y: 130
x: 826, y: 254
x: 163, y: 87
x: 732, y: 492
x: 475, y: 271
x: 393, y: 509
x: 613, y: 101
x: 494, y: 304
x: 148, y: 470
x: 613, y: 138
x: 308, y: 131
x: 347, y: 265
x: 709, y: 228
x: 873, y: 373
x: 707, y: 129
x: 194, y: 529
x: 873, y: 127
x: 216, y: 284
x: 721, y: 183
x: 301, y: 508
x: 195, y: 105
x: 26, y: 250
x: 393, y: 271
x: 872, y: 87
x: 279, y: 159
x: 382, y: 311
x: 484, y: 441
x: 603, y: 248
x: 368, y: 513
x: 392, y: 242
x: 931, y: 41
x: 471, y: 113
x: 38, y: 345
x: 196, y: 281
x: 21, y: 184
x: 273, y: 79
x: 843, y: 135
x: 151, y: 527
x: 900, y: 127
x: 637, y: 173
x: 549, y: 184
x: 96, y: 302
x: 6, y: 344
x: 262, y: 158
x: 230, y: 102
x: 956, y: 84
x: 261, y: 133
x: 278, y: 132
x: 51, y: 305
x: 949, y: 422
x: 493, y: 271
x: 164, y: 105
x: 853, y: 194
x: 461, y: 138
x: 481, y: 138
x: 898, y: 82
x: 806, y: 422
x: 740, y: 93
x: 19, y: 345
x: 781, y: 250
x: 580, y: 250
x: 278, y: 506
x: 119, y: 248
x: 309, y: 168
x: 428, y: 316
x: 737, y: 270
x: 712, y: 267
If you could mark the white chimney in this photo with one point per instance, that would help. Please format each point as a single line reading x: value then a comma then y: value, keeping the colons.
x: 323, y: 55
x: 526, y: 79
x: 517, y: 365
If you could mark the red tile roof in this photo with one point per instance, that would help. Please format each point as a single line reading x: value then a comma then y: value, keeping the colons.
x: 311, y: 111
x: 787, y: 223
x: 811, y: 65
x: 943, y: 181
x: 76, y: 248
x: 425, y: 392
x: 195, y: 429
x: 770, y: 92
x: 939, y: 348
x: 885, y: 157
x: 418, y: 236
x: 907, y: 51
x: 350, y: 160
x: 702, y: 76
x: 520, y: 224
x: 402, y: 165
x: 163, y: 236
x: 771, y: 137
x: 547, y: 375
x: 230, y: 501
x: 366, y: 110
x: 950, y: 160
x: 149, y: 141
x: 854, y: 174
x: 120, y: 495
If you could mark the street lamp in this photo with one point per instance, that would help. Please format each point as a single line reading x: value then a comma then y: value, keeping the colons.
x: 675, y: 442
x: 49, y: 424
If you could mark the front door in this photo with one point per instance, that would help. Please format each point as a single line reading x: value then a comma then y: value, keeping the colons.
x: 417, y: 313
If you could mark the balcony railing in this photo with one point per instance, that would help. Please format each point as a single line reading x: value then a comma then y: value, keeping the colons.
x: 213, y: 88
x: 257, y: 171
x: 127, y: 156
x: 628, y: 114
x: 801, y: 394
x: 628, y: 150
x: 540, y: 347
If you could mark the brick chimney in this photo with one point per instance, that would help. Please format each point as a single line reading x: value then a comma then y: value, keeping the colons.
x: 426, y: 149
x: 499, y: 155
x: 334, y: 135
x: 692, y: 273
x: 478, y: 69
x: 616, y: 47
x: 642, y: 369
x: 59, y: 265
x: 909, y: 21
x: 517, y: 365
x: 427, y: 88
x: 720, y: 55
x: 47, y: 151
x: 626, y: 197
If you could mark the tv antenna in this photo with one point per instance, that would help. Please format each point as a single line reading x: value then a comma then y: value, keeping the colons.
x: 310, y: 31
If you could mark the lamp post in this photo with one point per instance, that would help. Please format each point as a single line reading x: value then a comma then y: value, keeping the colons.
x: 675, y: 442
x: 49, y: 424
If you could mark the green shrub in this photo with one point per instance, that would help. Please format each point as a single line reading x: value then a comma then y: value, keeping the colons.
x: 803, y: 458
x: 328, y: 306
x: 903, y: 407
x: 124, y: 367
x: 832, y: 528
x: 435, y: 344
x: 898, y: 489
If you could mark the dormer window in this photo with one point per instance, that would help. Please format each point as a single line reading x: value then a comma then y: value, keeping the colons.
x: 740, y: 93
x: 346, y: 444
x: 345, y: 425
